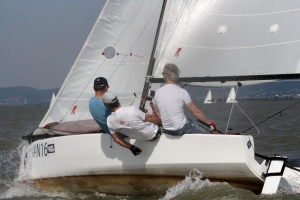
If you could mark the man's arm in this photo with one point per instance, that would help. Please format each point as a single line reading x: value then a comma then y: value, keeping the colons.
x: 135, y: 150
x: 120, y: 140
x: 152, y: 119
x: 197, y: 113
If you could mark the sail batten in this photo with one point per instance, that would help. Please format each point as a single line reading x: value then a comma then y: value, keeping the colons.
x: 254, y: 14
x: 236, y: 47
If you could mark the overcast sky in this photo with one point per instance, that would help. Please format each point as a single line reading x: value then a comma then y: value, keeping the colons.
x: 40, y: 39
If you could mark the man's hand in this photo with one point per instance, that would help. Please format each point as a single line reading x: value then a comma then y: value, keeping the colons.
x: 135, y: 150
x: 152, y: 119
x: 212, y: 126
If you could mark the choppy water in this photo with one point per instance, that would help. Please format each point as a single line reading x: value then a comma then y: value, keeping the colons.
x: 279, y: 135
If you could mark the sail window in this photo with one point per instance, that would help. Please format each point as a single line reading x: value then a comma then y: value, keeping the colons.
x: 222, y: 29
x: 274, y: 28
x: 109, y: 52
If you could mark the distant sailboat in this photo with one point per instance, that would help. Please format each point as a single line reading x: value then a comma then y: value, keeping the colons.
x: 231, y: 97
x: 208, y: 98
x: 52, y: 99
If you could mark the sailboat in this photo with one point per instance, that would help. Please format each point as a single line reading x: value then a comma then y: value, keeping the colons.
x: 207, y: 99
x: 210, y: 41
x: 232, y: 96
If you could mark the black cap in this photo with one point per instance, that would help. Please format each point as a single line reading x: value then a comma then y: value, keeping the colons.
x: 101, y: 81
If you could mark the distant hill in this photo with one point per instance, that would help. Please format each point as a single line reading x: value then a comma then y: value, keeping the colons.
x: 21, y: 96
x: 265, y: 90
x: 28, y: 96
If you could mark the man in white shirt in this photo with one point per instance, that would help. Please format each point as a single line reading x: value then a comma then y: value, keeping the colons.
x: 170, y: 100
x: 131, y: 121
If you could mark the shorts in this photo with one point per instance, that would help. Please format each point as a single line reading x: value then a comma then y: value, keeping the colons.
x: 189, y: 127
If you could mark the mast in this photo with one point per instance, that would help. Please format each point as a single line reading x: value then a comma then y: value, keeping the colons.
x: 152, y: 59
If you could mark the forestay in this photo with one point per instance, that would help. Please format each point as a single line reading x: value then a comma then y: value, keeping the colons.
x: 118, y: 48
x: 237, y: 38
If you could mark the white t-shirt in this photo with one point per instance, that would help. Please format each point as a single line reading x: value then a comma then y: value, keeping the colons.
x: 131, y: 122
x: 170, y: 100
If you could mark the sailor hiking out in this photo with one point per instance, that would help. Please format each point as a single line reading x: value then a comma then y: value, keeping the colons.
x: 131, y: 121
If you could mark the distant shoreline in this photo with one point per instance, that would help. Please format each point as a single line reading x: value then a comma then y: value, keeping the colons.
x: 195, y: 101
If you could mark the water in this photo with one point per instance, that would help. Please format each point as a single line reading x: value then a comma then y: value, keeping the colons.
x: 278, y: 135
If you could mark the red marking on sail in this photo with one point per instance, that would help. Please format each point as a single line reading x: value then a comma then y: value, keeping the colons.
x: 177, y: 52
x: 121, y: 54
x: 108, y: 54
x: 73, y: 110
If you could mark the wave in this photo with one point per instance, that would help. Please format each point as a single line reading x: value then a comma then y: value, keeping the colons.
x: 6, y: 144
x: 192, y: 182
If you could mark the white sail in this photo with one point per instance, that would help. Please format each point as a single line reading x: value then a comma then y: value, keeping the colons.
x: 232, y: 96
x: 208, y: 98
x: 52, y: 100
x: 118, y: 48
x: 241, y: 38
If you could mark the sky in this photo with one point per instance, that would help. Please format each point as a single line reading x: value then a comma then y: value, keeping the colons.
x: 40, y: 39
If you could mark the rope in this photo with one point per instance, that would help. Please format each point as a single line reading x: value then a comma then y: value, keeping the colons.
x: 229, y: 117
x: 110, y: 141
x: 248, y: 118
x: 240, y: 110
x: 269, y: 117
x: 230, y: 110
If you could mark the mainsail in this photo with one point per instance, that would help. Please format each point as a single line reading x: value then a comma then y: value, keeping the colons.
x: 118, y: 48
x: 221, y: 41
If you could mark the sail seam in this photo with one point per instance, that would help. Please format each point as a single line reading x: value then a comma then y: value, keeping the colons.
x: 246, y: 15
x: 249, y: 47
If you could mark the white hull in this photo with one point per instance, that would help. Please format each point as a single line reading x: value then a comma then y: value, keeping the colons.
x: 87, y: 163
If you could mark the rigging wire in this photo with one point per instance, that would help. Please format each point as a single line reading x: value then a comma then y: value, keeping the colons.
x: 187, y: 83
x: 234, y: 103
x: 270, y: 117
x: 248, y: 118
x: 230, y: 113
